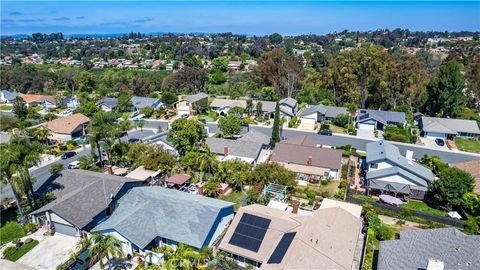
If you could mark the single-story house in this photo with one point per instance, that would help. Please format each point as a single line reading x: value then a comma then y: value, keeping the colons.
x: 162, y: 140
x: 319, y: 113
x: 373, y: 119
x: 267, y: 108
x: 142, y: 102
x: 47, y: 102
x: 7, y: 96
x: 192, y: 104
x: 107, y: 104
x: 269, y: 238
x: 68, y: 127
x: 71, y: 103
x: 473, y: 168
x: 222, y: 106
x: 448, y: 128
x: 253, y: 147
x: 83, y: 199
x: 301, y: 155
x: 388, y: 171
x: 148, y: 217
x: 288, y: 106
x: 444, y: 248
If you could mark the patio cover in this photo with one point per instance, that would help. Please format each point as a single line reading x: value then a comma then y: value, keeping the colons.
x: 389, y: 186
x: 141, y: 173
x: 178, y: 179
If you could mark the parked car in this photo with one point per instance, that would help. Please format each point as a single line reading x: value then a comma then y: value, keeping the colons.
x: 74, y: 165
x: 326, y: 132
x: 134, y: 140
x: 439, y: 142
x: 68, y: 155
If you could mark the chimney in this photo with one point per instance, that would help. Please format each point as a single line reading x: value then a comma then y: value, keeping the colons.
x: 295, y: 206
x: 110, y: 169
x: 200, y: 190
x: 225, y: 151
x: 309, y: 161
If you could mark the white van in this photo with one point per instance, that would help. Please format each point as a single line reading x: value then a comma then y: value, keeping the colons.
x: 74, y: 165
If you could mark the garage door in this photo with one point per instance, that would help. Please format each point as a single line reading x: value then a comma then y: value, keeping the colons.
x: 366, y: 126
x: 434, y: 135
x: 65, y: 229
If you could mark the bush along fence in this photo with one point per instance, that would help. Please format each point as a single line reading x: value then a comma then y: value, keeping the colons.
x: 400, y: 211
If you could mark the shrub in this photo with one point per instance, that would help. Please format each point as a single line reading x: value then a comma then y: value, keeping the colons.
x: 29, y: 227
x: 471, y: 226
x: 293, y: 122
x: 399, y: 138
x: 384, y: 232
x: 324, y: 182
x: 325, y: 126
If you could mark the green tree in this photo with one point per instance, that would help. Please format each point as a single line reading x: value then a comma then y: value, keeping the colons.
x: 168, y: 98
x: 103, y: 132
x: 230, y: 125
x: 434, y: 163
x: 124, y: 103
x: 235, y: 172
x: 273, y: 173
x: 55, y: 168
x: 104, y: 246
x: 20, y: 108
x: 268, y: 93
x: 41, y: 134
x: 85, y: 82
x: 452, y: 184
x: 471, y: 203
x: 445, y: 92
x: 88, y: 108
x: 341, y: 120
x: 471, y: 225
x: 140, y: 124
x: 276, y: 126
x: 275, y: 38
x: 186, y: 134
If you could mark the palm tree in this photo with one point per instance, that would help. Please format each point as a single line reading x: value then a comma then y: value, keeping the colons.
x: 8, y: 168
x: 182, y: 258
x: 42, y: 134
x: 208, y: 161
x: 104, y: 246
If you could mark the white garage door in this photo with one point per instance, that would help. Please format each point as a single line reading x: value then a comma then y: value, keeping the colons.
x: 65, y: 229
x: 434, y: 135
x: 366, y: 126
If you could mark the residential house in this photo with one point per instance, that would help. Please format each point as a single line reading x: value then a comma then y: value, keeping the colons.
x: 68, y: 128
x: 473, y: 168
x: 302, y: 155
x: 148, y: 217
x: 83, y: 199
x: 320, y: 113
x: 253, y: 147
x: 268, y: 238
x: 143, y: 102
x: 46, y: 102
x: 192, y: 104
x: 288, y: 107
x: 377, y: 120
x: 222, y: 106
x: 71, y: 103
x: 162, y: 139
x: 107, y: 104
x: 267, y: 108
x: 445, y: 248
x: 388, y: 171
x: 7, y: 96
x: 448, y: 128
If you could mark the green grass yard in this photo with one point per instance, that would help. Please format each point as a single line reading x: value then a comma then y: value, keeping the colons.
x: 5, y: 107
x: 10, y: 231
x: 468, y: 145
x: 13, y: 254
x: 423, y: 207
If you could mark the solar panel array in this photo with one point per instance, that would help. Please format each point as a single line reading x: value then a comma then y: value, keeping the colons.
x: 282, y: 247
x: 250, y: 232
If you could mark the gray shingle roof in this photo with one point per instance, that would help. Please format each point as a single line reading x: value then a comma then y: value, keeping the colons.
x: 81, y: 195
x: 267, y: 106
x: 147, y: 212
x: 290, y: 102
x: 239, y: 148
x: 327, y: 111
x: 142, y: 102
x: 109, y: 102
x: 196, y: 97
x: 381, y: 150
x: 414, y: 248
x: 255, y: 136
x: 381, y: 116
x: 222, y: 103
x: 9, y: 95
x: 448, y: 125
x: 380, y: 173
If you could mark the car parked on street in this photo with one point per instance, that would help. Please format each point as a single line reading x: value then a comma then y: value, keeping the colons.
x: 68, y: 155
x: 326, y: 132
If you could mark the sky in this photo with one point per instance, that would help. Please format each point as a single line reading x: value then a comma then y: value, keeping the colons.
x: 251, y: 17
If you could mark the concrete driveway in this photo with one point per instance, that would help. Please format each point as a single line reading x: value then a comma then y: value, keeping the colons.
x: 430, y: 143
x: 50, y: 252
x: 365, y: 133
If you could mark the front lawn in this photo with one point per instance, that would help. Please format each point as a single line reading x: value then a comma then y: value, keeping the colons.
x: 468, y: 145
x: 398, y: 134
x: 6, y: 107
x: 10, y: 231
x: 365, y: 198
x: 13, y: 253
x: 209, y: 116
x: 337, y: 129
x: 423, y: 207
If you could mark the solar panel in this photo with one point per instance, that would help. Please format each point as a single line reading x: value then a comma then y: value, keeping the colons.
x: 282, y: 247
x: 250, y: 232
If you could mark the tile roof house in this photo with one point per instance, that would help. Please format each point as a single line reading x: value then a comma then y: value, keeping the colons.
x: 47, y: 102
x: 268, y: 238
x: 107, y: 104
x: 448, y: 248
x: 321, y: 112
x: 142, y: 102
x: 192, y: 104
x: 375, y: 119
x: 389, y: 171
x: 472, y: 167
x: 83, y: 199
x: 7, y: 96
x: 448, y: 128
x: 67, y: 128
x: 156, y: 216
x: 301, y: 155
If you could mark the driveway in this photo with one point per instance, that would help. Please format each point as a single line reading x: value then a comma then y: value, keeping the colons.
x: 50, y: 252
x: 430, y: 143
x: 365, y: 133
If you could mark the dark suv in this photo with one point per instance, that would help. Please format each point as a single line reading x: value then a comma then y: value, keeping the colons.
x: 68, y: 155
x: 326, y: 132
x: 439, y: 142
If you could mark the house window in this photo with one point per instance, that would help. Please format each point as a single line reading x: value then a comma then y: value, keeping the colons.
x: 373, y: 165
